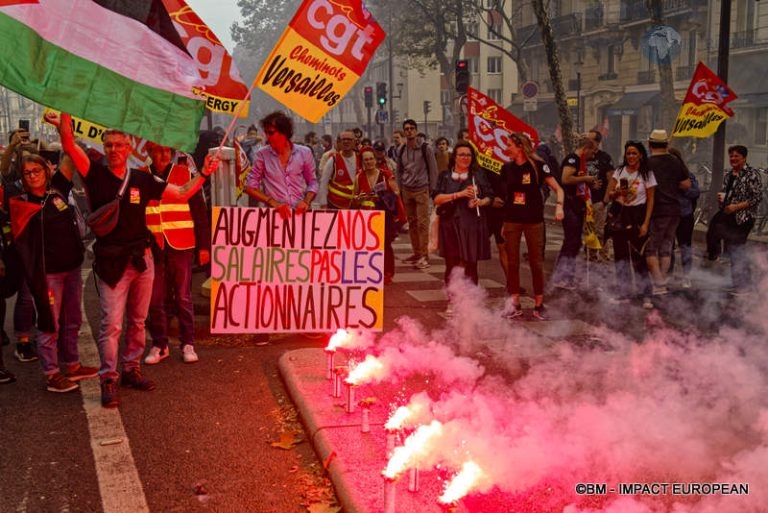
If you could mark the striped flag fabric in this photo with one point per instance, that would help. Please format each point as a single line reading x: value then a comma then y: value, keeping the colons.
x: 242, y: 168
x: 116, y: 63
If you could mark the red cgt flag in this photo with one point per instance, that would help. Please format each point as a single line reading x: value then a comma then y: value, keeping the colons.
x: 705, y: 105
x: 489, y: 128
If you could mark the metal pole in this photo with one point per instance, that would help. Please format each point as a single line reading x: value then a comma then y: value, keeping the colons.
x: 368, y: 128
x: 718, y: 143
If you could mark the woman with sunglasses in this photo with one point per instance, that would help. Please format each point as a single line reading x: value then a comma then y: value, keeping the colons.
x: 631, y: 189
x: 524, y: 215
x: 48, y: 240
x: 460, y: 193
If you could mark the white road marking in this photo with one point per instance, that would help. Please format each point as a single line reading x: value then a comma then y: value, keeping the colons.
x: 119, y: 483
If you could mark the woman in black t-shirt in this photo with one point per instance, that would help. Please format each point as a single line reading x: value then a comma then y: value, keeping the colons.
x: 48, y: 240
x: 524, y: 215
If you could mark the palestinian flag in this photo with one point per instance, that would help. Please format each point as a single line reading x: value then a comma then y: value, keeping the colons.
x: 117, y: 63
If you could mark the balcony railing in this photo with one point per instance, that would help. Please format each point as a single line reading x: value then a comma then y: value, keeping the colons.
x: 743, y: 39
x: 562, y: 26
x: 608, y: 76
x: 646, y: 77
x: 638, y: 10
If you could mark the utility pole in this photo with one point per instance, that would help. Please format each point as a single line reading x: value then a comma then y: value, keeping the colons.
x: 718, y: 143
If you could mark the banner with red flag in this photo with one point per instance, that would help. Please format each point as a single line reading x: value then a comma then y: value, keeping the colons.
x: 221, y: 85
x: 320, y: 56
x: 705, y: 105
x: 489, y: 128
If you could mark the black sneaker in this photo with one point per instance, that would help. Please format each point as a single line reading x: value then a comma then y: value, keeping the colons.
x: 540, y: 313
x: 25, y: 352
x: 6, y: 376
x: 133, y: 379
x: 109, y: 395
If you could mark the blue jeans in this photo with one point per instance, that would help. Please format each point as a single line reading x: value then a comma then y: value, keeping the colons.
x: 130, y: 297
x: 24, y: 313
x: 60, y: 346
x: 173, y: 281
x: 573, y: 226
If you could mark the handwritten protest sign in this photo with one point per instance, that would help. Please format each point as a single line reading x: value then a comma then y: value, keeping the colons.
x: 315, y: 272
x: 320, y: 56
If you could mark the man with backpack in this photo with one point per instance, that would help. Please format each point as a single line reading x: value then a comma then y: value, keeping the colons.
x: 416, y: 177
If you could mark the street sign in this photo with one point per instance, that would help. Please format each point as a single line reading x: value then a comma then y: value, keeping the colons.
x: 530, y: 105
x: 382, y: 117
x: 529, y: 89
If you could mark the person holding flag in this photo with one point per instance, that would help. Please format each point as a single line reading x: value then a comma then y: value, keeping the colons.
x: 123, y: 259
x: 49, y: 245
x: 576, y: 183
x: 178, y: 228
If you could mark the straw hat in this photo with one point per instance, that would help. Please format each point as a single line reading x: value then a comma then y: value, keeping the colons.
x: 658, y: 135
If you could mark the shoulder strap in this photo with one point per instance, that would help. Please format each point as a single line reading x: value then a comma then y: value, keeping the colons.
x: 424, y: 154
x: 124, y: 184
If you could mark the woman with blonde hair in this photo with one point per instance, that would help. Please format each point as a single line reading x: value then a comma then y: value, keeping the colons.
x: 524, y: 215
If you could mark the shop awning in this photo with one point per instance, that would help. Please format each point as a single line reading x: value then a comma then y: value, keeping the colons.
x: 631, y: 103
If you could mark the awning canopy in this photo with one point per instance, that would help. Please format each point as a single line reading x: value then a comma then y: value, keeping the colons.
x: 631, y: 103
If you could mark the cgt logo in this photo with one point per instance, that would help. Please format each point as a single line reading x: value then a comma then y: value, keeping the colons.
x: 342, y: 30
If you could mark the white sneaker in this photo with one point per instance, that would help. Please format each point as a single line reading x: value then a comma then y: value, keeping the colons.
x: 686, y: 283
x: 421, y: 263
x: 647, y: 303
x: 157, y: 355
x: 188, y: 354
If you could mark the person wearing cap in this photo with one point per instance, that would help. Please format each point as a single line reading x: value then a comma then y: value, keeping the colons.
x: 178, y: 227
x: 380, y: 151
x: 671, y: 179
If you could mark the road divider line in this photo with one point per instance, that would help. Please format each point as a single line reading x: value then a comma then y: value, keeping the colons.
x: 119, y: 484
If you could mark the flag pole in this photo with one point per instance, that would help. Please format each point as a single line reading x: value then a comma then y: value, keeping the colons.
x: 235, y: 117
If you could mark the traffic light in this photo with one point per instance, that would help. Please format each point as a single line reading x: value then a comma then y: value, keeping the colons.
x: 381, y: 93
x: 427, y: 107
x: 368, y: 92
x: 462, y: 76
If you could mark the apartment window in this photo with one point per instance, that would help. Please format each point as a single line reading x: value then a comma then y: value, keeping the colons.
x: 761, y: 126
x: 445, y: 97
x: 472, y: 63
x: 494, y: 30
x: 472, y: 30
x: 494, y: 65
x: 495, y: 95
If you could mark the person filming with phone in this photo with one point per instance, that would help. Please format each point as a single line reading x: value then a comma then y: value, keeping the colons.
x: 631, y: 189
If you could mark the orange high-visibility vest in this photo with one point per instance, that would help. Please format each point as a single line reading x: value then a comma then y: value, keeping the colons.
x: 171, y: 220
x: 342, y: 183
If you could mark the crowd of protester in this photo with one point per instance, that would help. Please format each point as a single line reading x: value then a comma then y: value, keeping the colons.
x: 641, y: 208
